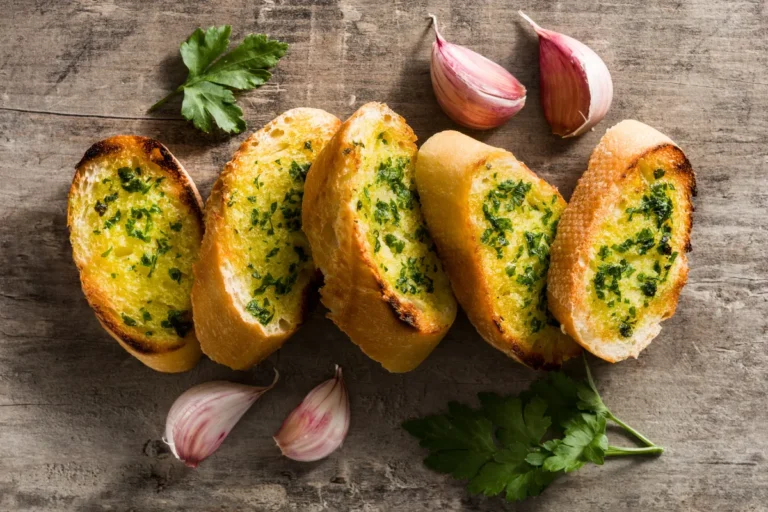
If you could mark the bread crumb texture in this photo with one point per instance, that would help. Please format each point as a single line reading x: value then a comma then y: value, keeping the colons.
x: 634, y: 257
x: 267, y: 254
x: 396, y: 237
x: 515, y: 217
x: 135, y: 238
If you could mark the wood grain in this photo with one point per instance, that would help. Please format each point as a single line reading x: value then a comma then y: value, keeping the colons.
x: 81, y: 420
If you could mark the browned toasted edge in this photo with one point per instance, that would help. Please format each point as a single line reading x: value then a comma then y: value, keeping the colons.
x: 154, y: 151
x: 685, y: 172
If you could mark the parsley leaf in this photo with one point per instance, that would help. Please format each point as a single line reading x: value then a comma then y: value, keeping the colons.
x: 584, y: 441
x: 518, y: 445
x: 213, y: 74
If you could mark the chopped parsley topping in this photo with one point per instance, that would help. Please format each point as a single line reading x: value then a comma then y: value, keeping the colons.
x: 393, y: 243
x: 112, y: 220
x: 262, y: 311
x: 131, y: 180
x: 413, y: 277
x: 130, y: 322
x: 299, y: 172
x: 612, y: 277
x: 657, y: 204
x: 179, y: 321
x: 282, y: 284
x: 175, y: 274
x: 506, y: 197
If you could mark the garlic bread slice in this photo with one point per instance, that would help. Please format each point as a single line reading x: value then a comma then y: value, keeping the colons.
x: 493, y: 221
x: 383, y: 282
x: 619, y: 259
x: 255, y: 267
x: 135, y: 221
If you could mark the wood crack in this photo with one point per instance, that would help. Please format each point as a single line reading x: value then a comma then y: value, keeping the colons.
x: 93, y: 116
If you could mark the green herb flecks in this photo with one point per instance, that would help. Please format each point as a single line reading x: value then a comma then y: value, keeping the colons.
x: 179, y: 321
x: 613, y: 276
x: 131, y: 180
x: 175, y: 274
x: 504, y: 198
x: 391, y: 173
x: 299, y: 172
x: 394, y: 243
x: 113, y: 220
x: 413, y: 277
x: 262, y: 311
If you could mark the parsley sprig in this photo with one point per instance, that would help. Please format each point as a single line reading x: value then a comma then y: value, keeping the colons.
x: 518, y: 445
x: 213, y: 75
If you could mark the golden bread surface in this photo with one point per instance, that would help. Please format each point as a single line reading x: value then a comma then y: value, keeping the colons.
x: 383, y: 283
x: 255, y: 269
x: 493, y: 221
x: 135, y: 221
x: 619, y: 259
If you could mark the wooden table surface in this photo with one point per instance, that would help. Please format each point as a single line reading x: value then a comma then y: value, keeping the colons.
x: 81, y: 420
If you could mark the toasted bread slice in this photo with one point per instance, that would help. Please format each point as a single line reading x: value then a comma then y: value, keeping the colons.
x: 493, y: 221
x: 135, y: 221
x: 618, y: 261
x: 255, y: 268
x: 384, y: 285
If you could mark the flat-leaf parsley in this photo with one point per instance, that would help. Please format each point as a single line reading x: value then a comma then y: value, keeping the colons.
x: 213, y: 75
x: 518, y: 445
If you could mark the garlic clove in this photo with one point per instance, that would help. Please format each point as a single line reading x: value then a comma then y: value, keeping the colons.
x: 202, y: 417
x: 471, y: 89
x: 576, y: 86
x: 319, y: 424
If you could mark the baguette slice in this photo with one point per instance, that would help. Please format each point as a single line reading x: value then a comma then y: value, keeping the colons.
x: 135, y: 221
x: 493, y: 220
x: 255, y: 269
x: 619, y: 259
x: 384, y: 285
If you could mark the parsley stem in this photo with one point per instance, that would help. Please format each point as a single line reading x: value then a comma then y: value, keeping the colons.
x: 619, y: 451
x: 162, y: 101
x: 610, y: 415
x: 631, y: 430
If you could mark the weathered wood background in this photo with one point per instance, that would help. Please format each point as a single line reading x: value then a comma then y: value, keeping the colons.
x: 81, y: 420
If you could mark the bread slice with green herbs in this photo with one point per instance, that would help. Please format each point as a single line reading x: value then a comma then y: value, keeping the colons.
x: 255, y: 269
x: 384, y: 285
x: 619, y: 259
x: 493, y: 221
x: 135, y: 221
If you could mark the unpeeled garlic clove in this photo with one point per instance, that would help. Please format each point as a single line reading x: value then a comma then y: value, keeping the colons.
x: 576, y: 86
x: 319, y: 424
x: 471, y: 89
x: 202, y: 417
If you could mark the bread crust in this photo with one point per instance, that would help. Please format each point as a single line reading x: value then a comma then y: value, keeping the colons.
x: 227, y: 334
x: 612, y: 161
x: 173, y: 358
x: 360, y: 302
x: 444, y: 174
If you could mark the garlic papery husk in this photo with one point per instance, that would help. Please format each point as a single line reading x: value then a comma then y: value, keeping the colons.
x: 472, y: 90
x: 576, y: 86
x: 202, y: 417
x: 319, y: 424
